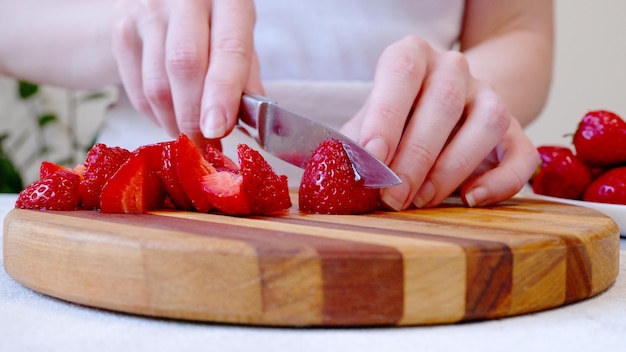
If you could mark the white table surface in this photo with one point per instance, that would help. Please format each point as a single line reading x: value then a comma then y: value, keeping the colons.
x: 30, y: 321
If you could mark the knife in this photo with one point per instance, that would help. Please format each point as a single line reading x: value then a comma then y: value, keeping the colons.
x: 294, y: 138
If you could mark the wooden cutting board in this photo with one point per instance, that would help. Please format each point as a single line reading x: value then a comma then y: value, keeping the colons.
x: 427, y: 266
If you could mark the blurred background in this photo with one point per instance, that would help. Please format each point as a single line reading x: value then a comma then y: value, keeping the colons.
x: 47, y: 123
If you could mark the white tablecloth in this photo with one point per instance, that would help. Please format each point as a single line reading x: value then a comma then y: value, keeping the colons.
x: 30, y: 321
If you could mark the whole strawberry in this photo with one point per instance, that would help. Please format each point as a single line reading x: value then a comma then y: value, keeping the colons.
x: 600, y: 139
x: 329, y: 186
x: 609, y: 187
x: 55, y: 191
x: 561, y: 173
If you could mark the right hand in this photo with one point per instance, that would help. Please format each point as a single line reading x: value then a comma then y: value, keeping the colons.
x: 185, y: 63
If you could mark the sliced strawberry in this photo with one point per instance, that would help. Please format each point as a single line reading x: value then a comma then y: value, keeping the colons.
x: 328, y: 183
x: 162, y: 159
x: 55, y: 191
x: 135, y: 187
x: 266, y: 191
x: 218, y: 160
x: 100, y: 164
x: 191, y: 169
x: 226, y: 193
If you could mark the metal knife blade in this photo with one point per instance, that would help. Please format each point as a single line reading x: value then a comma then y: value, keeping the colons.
x: 293, y: 138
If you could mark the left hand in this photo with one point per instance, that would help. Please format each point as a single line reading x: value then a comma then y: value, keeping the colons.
x: 441, y: 129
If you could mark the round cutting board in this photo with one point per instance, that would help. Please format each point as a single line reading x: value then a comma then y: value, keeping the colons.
x: 422, y: 266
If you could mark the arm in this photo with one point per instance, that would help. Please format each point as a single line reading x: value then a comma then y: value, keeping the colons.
x: 509, y: 44
x: 64, y: 43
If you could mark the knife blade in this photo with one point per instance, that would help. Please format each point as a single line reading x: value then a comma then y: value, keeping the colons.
x: 294, y: 138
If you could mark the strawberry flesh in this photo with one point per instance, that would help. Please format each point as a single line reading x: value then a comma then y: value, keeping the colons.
x: 226, y: 193
x: 191, y: 170
x: 135, y: 187
x: 329, y: 184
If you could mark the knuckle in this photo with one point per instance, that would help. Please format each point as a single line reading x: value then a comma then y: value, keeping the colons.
x: 184, y: 61
x: 156, y: 90
x: 232, y: 46
x: 388, y: 114
x: 421, y: 155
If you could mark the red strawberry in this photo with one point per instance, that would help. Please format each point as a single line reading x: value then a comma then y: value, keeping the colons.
x: 609, y: 187
x: 135, y: 187
x: 162, y: 159
x: 101, y: 163
x: 191, y: 169
x: 328, y: 184
x: 226, y: 193
x: 561, y: 174
x: 266, y: 191
x: 600, y: 139
x: 55, y: 191
x: 218, y: 160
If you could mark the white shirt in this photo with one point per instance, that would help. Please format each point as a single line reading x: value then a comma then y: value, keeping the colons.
x: 317, y: 58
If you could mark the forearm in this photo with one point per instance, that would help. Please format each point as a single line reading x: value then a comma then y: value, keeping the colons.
x: 64, y: 43
x: 514, y: 55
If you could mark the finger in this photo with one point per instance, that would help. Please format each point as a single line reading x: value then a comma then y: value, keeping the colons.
x: 232, y: 26
x: 486, y: 123
x: 187, y: 47
x: 517, y: 160
x: 127, y: 47
x: 398, y: 77
x: 438, y: 110
x: 156, y: 86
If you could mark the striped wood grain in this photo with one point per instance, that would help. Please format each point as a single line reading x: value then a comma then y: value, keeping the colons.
x: 427, y: 266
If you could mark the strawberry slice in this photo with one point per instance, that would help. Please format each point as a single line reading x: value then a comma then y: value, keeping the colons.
x: 135, y: 187
x: 162, y: 159
x: 191, y: 169
x: 226, y: 192
x: 266, y: 191
x: 55, y: 191
x: 100, y: 164
x: 328, y: 183
x: 218, y: 160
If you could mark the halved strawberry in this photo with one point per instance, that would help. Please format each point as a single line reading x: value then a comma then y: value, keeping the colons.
x: 55, y: 191
x: 218, y: 160
x: 135, y: 187
x: 328, y: 184
x: 191, y: 169
x: 266, y: 191
x: 100, y: 164
x: 226, y: 193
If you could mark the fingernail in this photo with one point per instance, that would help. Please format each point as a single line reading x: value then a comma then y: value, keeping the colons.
x: 425, y: 194
x: 395, y: 197
x: 213, y: 124
x: 378, y: 147
x: 476, y: 196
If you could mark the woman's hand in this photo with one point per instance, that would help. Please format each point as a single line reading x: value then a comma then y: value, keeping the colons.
x: 440, y: 129
x: 185, y: 64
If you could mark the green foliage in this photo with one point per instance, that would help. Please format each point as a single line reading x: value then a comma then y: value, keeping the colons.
x: 11, y: 177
